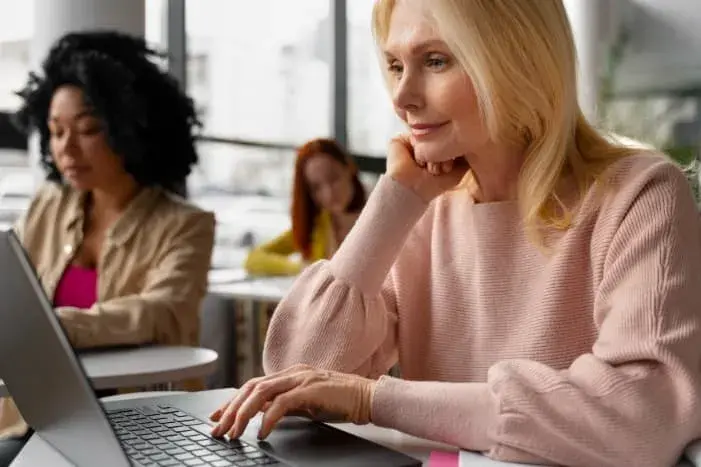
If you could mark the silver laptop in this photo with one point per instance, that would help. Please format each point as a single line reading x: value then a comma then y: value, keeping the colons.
x: 43, y: 374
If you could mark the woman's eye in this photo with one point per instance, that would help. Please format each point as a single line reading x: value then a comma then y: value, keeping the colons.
x: 437, y: 63
x: 394, y: 67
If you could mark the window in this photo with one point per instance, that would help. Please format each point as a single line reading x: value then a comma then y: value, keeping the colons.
x: 16, y: 29
x: 242, y: 170
x: 156, y: 24
x: 260, y: 71
x: 371, y: 120
x: 249, y: 190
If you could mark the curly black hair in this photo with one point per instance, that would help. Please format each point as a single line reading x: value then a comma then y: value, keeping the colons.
x: 148, y: 120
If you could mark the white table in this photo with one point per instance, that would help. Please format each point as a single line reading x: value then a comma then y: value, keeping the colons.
x: 37, y: 452
x: 144, y: 366
x: 249, y: 291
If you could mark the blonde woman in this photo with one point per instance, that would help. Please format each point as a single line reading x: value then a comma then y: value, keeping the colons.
x: 544, y: 310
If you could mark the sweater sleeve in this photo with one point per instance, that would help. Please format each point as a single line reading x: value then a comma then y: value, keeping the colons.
x: 633, y: 400
x: 341, y: 314
x: 272, y: 258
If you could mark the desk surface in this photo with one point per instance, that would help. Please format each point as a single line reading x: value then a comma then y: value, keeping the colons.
x: 37, y: 452
x: 144, y: 366
x: 266, y: 289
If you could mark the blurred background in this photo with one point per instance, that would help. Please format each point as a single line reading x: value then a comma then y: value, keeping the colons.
x: 268, y: 75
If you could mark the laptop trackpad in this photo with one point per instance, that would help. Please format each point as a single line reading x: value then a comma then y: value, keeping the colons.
x: 299, y: 441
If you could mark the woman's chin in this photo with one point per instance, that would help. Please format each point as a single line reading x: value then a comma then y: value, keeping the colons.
x: 435, y: 155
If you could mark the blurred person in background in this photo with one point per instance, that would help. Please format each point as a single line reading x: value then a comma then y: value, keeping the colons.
x: 121, y: 255
x: 327, y: 198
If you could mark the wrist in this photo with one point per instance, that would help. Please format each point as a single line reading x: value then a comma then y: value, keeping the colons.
x: 416, y: 186
x: 367, y: 393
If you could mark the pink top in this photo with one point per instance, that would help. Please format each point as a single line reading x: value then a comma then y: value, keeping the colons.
x: 589, y: 356
x: 77, y: 288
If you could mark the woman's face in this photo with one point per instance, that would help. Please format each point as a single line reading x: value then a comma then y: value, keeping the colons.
x: 330, y: 183
x: 79, y: 145
x: 430, y: 91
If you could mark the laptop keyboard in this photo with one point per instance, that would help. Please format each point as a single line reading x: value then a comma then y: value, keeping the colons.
x: 163, y: 436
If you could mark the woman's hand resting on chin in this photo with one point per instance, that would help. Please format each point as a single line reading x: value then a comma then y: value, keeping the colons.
x: 428, y: 180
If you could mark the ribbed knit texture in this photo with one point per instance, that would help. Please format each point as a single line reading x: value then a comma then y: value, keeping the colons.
x: 589, y: 355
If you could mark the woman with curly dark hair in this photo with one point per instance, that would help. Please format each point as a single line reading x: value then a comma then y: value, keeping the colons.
x: 122, y: 256
x: 327, y: 197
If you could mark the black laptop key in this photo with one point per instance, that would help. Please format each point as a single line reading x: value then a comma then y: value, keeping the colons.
x: 148, y: 410
x: 194, y: 422
x: 175, y: 450
x: 194, y: 463
x: 184, y: 442
x: 162, y: 430
x: 167, y: 409
x: 184, y: 419
x: 223, y: 463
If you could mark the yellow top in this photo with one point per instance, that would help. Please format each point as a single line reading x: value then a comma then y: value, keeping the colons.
x: 272, y: 258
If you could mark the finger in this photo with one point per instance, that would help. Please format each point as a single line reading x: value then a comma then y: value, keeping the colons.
x: 289, y: 402
x: 264, y: 392
x: 404, y: 141
x: 446, y: 166
x: 266, y: 406
x: 216, y: 415
x: 227, y: 413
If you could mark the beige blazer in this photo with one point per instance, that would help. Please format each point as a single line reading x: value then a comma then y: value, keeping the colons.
x: 152, y: 271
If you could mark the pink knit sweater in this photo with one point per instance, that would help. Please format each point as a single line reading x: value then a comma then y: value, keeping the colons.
x: 588, y: 356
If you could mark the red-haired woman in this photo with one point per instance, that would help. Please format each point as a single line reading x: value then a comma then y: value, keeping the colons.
x: 327, y: 198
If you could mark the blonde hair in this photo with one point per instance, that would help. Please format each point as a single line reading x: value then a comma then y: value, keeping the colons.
x: 521, y: 59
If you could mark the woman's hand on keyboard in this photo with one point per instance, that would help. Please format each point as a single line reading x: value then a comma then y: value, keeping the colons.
x: 301, y: 388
